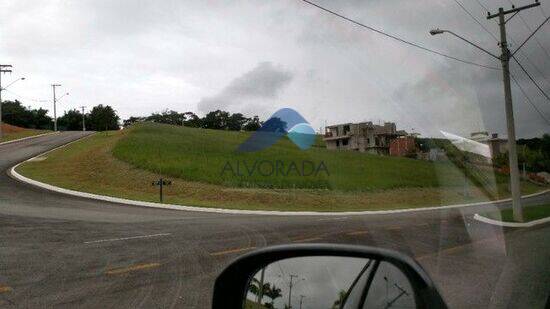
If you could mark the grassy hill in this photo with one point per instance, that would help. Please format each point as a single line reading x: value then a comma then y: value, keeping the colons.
x: 12, y: 132
x: 124, y: 163
x: 203, y: 155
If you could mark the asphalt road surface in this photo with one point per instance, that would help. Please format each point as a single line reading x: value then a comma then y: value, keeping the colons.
x: 62, y: 251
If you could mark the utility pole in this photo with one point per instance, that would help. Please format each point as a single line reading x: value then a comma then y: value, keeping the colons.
x: 54, y: 107
x: 290, y: 285
x: 505, y: 62
x: 83, y: 119
x: 290, y: 290
x: 261, y: 287
x: 512, y: 147
x: 4, y: 68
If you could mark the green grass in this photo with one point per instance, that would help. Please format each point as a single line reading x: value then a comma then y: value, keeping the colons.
x: 124, y: 163
x: 21, y: 134
x: 530, y: 213
x: 201, y: 155
x: 253, y: 305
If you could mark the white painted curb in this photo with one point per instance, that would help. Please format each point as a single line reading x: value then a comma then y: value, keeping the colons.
x: 28, y: 137
x: 105, y: 198
x: 510, y: 224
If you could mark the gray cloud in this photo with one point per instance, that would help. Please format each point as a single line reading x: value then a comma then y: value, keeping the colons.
x: 146, y: 56
x: 263, y: 82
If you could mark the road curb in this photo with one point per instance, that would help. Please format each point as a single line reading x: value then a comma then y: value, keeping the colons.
x: 28, y: 137
x: 483, y: 219
x: 118, y: 200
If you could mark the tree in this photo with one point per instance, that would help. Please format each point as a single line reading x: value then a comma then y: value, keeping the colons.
x: 70, y: 121
x: 340, y: 300
x: 273, y: 293
x: 236, y: 122
x: 14, y: 113
x: 254, y: 287
x: 192, y: 120
x: 130, y: 121
x: 252, y: 124
x: 216, y: 120
x: 41, y: 120
x: 168, y: 117
x: 274, y: 125
x: 103, y: 118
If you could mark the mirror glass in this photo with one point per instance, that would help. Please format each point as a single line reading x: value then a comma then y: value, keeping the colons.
x: 329, y: 282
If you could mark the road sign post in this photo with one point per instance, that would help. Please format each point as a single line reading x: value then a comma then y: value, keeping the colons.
x: 161, y: 182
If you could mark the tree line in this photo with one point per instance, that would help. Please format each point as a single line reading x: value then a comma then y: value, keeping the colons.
x: 217, y: 120
x: 100, y: 118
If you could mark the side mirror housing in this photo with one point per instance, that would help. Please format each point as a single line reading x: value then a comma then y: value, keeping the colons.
x: 327, y: 275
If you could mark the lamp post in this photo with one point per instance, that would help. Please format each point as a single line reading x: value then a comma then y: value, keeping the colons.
x: 54, y: 105
x: 510, y: 126
x: 512, y: 152
x: 15, y: 81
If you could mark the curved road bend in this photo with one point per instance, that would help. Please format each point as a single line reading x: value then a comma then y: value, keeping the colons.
x: 62, y: 251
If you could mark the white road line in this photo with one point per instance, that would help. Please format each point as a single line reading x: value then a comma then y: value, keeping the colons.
x: 118, y: 200
x: 333, y: 219
x: 26, y: 138
x: 510, y: 224
x: 127, y: 238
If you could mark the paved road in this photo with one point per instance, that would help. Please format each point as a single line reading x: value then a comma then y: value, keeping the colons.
x: 61, y: 251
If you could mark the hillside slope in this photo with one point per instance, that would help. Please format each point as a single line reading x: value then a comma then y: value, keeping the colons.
x: 211, y: 156
x: 12, y: 132
x: 124, y: 164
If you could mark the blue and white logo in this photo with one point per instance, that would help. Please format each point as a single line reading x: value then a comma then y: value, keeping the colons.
x: 285, y: 121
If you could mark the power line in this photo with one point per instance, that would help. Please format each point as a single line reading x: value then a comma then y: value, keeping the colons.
x: 24, y: 97
x: 529, y: 100
x: 476, y: 20
x: 531, y: 78
x: 527, y: 39
x: 524, y: 54
x: 398, y: 38
x: 529, y: 28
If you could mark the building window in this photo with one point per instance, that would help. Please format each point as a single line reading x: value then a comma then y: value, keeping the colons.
x: 346, y: 129
x: 337, y: 143
x: 345, y: 142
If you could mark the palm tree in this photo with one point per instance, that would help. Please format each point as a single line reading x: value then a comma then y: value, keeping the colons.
x: 340, y: 301
x: 254, y: 288
x: 273, y: 293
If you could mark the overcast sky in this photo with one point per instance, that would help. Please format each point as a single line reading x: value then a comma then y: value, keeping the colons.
x: 255, y: 57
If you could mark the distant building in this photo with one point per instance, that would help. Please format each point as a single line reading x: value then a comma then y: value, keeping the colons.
x: 496, y: 145
x: 363, y: 137
x: 402, y: 146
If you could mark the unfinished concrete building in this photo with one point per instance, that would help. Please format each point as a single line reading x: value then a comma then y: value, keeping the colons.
x: 363, y: 137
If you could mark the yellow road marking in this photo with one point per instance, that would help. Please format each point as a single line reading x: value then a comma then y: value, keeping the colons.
x: 307, y: 239
x: 358, y: 233
x: 5, y: 289
x: 231, y: 251
x: 118, y: 271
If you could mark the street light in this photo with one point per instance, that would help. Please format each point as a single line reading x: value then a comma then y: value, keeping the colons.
x: 440, y: 31
x: 512, y: 154
x: 3, y: 88
x: 62, y: 96
x: 54, y: 106
x: 15, y: 81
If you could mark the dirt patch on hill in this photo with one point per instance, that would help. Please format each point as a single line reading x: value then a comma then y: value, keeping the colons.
x: 8, y: 128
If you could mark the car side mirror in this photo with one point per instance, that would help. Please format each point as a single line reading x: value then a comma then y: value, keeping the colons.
x: 325, y: 276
